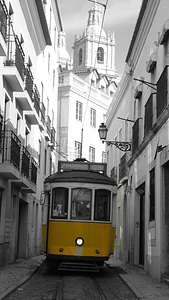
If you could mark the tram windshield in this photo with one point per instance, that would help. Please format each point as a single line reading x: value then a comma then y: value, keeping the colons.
x: 81, y: 204
x: 60, y: 203
x: 102, y: 205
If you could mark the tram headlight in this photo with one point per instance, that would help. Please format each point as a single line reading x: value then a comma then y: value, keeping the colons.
x: 79, y: 241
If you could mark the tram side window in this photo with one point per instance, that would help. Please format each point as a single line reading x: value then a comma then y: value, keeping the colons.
x: 102, y: 205
x: 81, y: 204
x: 60, y: 203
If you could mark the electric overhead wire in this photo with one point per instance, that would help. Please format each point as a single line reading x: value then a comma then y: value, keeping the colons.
x: 63, y: 154
x: 105, y: 7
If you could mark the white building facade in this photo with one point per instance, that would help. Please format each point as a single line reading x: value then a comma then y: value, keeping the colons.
x: 139, y: 114
x: 85, y: 91
x: 28, y: 112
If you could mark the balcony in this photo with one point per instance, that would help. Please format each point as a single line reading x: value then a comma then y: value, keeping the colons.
x: 14, y: 66
x: 53, y: 136
x: 33, y: 115
x: 24, y: 98
x: 42, y: 111
x: 29, y: 98
x: 3, y: 28
x: 16, y: 163
x: 48, y: 129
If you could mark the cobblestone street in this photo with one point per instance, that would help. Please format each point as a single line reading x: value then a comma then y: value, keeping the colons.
x: 49, y: 283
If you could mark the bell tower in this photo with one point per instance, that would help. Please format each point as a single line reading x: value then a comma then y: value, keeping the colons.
x: 95, y: 49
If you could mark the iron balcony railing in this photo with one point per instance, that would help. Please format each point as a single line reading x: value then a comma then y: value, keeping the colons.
x: 43, y: 110
x: 11, y: 148
x: 36, y: 99
x: 53, y: 134
x: 33, y: 173
x: 3, y: 19
x: 48, y: 125
x: 15, y: 54
x: 16, y: 154
x: 25, y: 162
x: 33, y: 92
x: 29, y: 81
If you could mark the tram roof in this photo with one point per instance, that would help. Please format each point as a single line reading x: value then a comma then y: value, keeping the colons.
x: 81, y: 176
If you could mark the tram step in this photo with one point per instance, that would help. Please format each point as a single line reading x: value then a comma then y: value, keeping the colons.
x: 74, y: 266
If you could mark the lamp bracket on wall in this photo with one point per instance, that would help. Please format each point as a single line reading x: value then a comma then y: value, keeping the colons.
x: 128, y: 120
x: 149, y: 84
x: 123, y: 146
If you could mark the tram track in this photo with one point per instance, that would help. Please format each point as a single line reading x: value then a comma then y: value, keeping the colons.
x: 51, y: 283
x: 82, y: 287
x: 99, y: 289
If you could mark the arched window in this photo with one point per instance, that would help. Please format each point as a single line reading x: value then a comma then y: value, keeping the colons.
x: 100, y: 55
x: 80, y: 56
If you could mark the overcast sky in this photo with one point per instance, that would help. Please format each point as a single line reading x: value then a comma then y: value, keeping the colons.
x: 120, y: 18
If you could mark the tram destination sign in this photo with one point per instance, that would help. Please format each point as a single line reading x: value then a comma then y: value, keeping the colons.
x: 81, y: 166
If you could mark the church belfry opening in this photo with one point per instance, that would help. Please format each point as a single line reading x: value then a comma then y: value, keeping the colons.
x: 100, y: 55
x: 80, y: 56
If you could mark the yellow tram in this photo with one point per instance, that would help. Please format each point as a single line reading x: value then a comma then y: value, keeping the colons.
x: 80, y: 208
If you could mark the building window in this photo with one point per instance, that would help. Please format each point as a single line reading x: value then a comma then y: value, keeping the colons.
x: 148, y: 121
x: 45, y: 162
x: 27, y: 137
x: 48, y: 63
x: 77, y: 149
x: 39, y: 156
x: 100, y: 55
x: 60, y: 203
x: 18, y: 125
x: 123, y: 167
x: 80, y: 56
x: 81, y: 200
x: 103, y: 157
x: 162, y: 92
x: 78, y: 111
x: 152, y: 195
x: 135, y: 135
x: 102, y: 205
x: 91, y: 154
x: 92, y: 117
x: 54, y: 39
x: 54, y: 78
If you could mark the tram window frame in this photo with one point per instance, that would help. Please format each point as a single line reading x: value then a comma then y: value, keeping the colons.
x: 81, y: 211
x: 62, y: 203
x: 102, y: 195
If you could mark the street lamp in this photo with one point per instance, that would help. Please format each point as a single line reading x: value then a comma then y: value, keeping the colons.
x: 123, y: 146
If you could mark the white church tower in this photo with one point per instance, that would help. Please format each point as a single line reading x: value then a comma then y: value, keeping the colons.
x: 95, y: 49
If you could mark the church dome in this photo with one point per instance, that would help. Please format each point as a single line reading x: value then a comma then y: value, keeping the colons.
x: 63, y: 55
